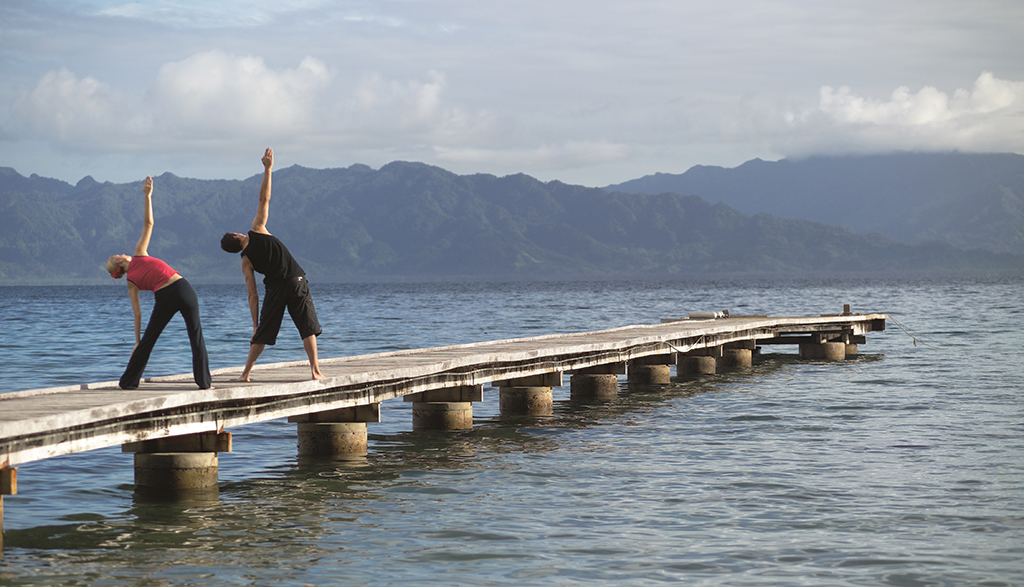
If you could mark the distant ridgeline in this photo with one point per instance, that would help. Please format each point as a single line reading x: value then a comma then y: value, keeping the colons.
x: 415, y: 221
x: 968, y: 200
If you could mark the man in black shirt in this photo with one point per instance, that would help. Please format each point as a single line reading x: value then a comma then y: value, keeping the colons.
x: 284, y: 281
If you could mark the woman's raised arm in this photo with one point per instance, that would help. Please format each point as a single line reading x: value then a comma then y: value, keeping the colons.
x: 141, y: 249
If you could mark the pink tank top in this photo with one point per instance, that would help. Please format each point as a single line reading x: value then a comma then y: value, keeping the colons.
x: 149, y: 273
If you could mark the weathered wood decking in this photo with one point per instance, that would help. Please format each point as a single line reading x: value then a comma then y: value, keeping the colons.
x: 44, y: 423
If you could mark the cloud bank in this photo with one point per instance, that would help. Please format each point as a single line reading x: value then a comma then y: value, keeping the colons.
x: 987, y: 117
x: 556, y: 90
x: 190, y: 103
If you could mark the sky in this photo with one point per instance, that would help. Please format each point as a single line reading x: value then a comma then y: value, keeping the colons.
x: 586, y: 92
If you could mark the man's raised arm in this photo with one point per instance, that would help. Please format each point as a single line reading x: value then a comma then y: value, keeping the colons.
x: 259, y: 223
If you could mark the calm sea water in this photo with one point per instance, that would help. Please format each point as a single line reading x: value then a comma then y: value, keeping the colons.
x: 903, y: 467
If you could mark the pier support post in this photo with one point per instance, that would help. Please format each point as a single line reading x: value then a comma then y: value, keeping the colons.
x: 8, y: 486
x: 600, y: 382
x: 445, y: 409
x: 652, y: 370
x: 337, y: 432
x: 172, y: 472
x: 331, y: 438
x: 827, y: 351
x: 650, y: 374
x: 851, y: 349
x: 696, y: 365
x: 442, y: 416
x: 526, y: 401
x: 737, y: 355
x: 593, y: 386
x: 178, y: 465
x: 736, y: 358
x: 528, y: 396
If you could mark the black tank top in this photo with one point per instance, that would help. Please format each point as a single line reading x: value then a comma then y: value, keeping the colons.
x: 270, y: 257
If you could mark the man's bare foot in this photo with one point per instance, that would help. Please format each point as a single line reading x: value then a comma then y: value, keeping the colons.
x: 244, y: 377
x: 317, y: 375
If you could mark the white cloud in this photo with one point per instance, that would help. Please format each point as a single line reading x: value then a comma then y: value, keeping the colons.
x: 419, y: 101
x: 67, y: 109
x: 213, y: 94
x: 989, y: 117
x: 214, y: 99
x: 403, y: 111
x: 210, y: 94
x: 927, y: 106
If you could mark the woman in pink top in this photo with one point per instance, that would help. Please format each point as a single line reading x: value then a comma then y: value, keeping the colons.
x: 171, y: 294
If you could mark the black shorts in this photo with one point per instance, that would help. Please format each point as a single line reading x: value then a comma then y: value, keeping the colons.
x: 294, y: 295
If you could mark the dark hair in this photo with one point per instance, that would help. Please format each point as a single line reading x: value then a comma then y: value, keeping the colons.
x: 230, y: 244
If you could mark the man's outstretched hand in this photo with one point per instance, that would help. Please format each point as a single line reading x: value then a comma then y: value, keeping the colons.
x: 268, y: 158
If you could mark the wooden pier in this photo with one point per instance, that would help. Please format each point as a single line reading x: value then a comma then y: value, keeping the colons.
x: 169, y: 416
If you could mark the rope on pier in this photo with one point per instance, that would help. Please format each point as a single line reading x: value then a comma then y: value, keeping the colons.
x: 688, y: 348
x: 915, y: 336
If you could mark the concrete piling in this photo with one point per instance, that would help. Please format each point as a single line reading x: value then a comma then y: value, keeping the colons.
x: 736, y: 358
x: 337, y: 432
x: 450, y: 408
x: 650, y: 374
x: 593, y: 386
x: 178, y: 465
x: 331, y: 438
x: 696, y: 365
x: 651, y: 370
x: 442, y: 416
x: 526, y: 401
x: 176, y: 471
x: 827, y: 351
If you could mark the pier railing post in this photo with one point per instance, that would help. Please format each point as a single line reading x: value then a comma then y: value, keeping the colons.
x: 335, y: 432
x: 445, y: 409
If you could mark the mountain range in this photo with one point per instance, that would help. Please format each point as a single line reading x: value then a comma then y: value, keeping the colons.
x: 967, y: 200
x: 416, y: 221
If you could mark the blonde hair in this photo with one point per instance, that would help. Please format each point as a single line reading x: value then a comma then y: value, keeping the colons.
x: 113, y: 267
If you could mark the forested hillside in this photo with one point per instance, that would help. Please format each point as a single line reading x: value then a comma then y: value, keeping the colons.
x: 414, y: 221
